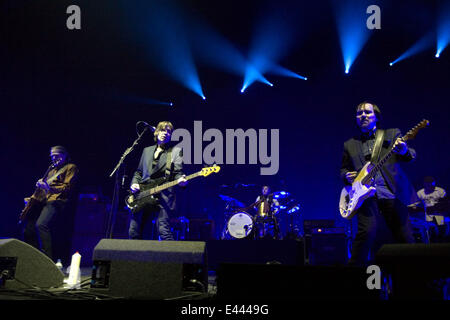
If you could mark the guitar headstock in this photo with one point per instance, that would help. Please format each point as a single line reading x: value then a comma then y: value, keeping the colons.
x: 411, y: 134
x: 208, y: 170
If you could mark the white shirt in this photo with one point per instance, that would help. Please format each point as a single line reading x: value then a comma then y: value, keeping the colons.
x: 430, y: 199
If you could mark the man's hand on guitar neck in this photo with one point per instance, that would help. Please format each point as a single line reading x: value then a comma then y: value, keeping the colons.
x: 182, y: 181
x: 400, y: 147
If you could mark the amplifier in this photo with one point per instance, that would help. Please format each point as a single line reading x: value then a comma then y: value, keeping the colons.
x: 323, y: 248
x: 328, y: 231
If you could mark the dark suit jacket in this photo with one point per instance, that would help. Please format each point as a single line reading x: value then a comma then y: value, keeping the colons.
x: 393, y: 174
x: 146, y: 171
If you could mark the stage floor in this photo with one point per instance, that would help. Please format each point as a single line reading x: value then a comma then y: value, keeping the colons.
x: 266, y: 270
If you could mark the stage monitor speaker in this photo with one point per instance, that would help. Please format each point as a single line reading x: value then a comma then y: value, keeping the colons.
x: 416, y: 270
x: 254, y: 252
x: 23, y: 266
x: 327, y: 248
x: 287, y: 282
x: 148, y: 269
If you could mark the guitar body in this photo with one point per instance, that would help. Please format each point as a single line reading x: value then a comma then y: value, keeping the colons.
x: 352, y: 197
x: 34, y: 204
x: 140, y: 200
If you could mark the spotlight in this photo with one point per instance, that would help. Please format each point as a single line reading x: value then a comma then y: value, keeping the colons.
x: 203, y: 97
x: 171, y: 104
x: 419, y: 46
x: 437, y: 55
x: 346, y: 71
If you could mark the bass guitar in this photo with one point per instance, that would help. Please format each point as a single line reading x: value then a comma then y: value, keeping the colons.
x: 135, y: 202
x: 352, y: 197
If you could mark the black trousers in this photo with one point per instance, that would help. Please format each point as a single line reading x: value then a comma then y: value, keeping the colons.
x: 139, y: 221
x: 380, y: 221
x: 38, y: 228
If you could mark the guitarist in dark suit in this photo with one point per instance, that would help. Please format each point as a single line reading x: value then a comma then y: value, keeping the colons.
x: 161, y: 162
x: 386, y: 210
x: 53, y: 197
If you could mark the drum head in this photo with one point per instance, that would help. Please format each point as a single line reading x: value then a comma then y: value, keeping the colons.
x: 240, y: 225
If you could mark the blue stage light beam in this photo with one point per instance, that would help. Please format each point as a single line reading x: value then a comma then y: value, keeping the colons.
x: 351, y: 25
x: 177, y: 61
x: 161, y: 27
x: 272, y: 38
x: 127, y: 97
x: 421, y: 45
x: 146, y: 100
x: 216, y: 51
x: 286, y: 72
x: 252, y: 75
x: 443, y: 28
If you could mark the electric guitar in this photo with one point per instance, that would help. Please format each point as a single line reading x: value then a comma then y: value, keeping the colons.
x: 147, y: 191
x: 37, y: 199
x: 352, y: 197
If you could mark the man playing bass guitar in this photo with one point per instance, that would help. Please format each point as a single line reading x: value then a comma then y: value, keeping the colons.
x: 159, y: 163
x: 386, y: 211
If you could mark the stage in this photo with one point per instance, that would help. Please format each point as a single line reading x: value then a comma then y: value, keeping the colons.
x: 223, y: 270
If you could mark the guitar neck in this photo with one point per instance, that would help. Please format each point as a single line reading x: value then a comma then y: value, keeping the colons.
x: 378, y: 166
x: 409, y: 135
x: 380, y: 163
x: 169, y: 184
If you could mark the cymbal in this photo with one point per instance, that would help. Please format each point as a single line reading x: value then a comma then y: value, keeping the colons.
x: 233, y: 202
x: 281, y: 194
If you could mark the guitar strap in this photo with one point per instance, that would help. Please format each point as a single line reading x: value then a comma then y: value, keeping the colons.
x: 379, y: 137
x: 168, y: 163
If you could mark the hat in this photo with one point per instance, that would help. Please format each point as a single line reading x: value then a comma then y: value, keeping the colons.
x: 58, y: 149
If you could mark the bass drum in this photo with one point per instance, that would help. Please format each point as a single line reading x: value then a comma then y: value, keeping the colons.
x: 240, y: 225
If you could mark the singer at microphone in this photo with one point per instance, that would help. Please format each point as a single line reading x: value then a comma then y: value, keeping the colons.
x: 158, y: 162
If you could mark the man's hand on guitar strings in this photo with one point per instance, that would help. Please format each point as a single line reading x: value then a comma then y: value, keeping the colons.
x: 350, y: 176
x: 134, y: 187
x: 43, y: 185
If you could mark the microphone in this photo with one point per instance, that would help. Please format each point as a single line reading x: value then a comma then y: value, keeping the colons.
x: 146, y: 125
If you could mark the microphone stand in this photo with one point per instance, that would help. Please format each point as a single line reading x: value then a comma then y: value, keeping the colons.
x: 115, y: 198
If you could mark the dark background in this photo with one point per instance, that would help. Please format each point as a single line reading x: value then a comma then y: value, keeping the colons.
x: 86, y: 89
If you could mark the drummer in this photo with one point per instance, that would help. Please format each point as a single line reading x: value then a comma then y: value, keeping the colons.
x: 266, y: 203
x: 267, y: 207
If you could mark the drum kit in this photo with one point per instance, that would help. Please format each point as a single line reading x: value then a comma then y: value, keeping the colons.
x: 244, y: 222
x: 428, y: 228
